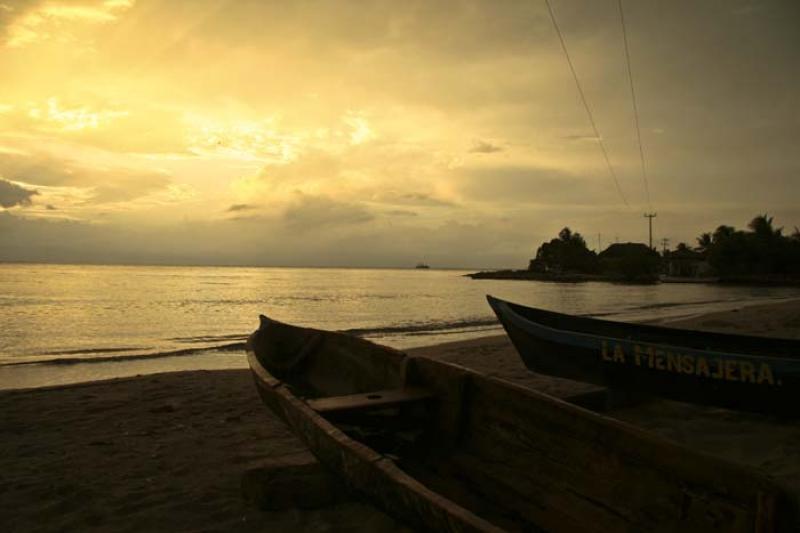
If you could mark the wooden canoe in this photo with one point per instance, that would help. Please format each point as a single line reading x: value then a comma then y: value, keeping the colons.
x: 444, y: 448
x: 735, y: 371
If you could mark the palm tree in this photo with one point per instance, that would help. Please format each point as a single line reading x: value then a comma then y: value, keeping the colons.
x: 723, y: 233
x: 704, y: 242
x: 762, y: 227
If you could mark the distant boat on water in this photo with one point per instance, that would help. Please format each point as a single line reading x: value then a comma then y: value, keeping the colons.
x: 422, y: 265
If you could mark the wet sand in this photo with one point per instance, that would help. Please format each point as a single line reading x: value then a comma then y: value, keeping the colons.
x: 167, y: 451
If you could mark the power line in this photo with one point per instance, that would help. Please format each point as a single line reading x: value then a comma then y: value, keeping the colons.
x: 633, y: 101
x: 585, y: 104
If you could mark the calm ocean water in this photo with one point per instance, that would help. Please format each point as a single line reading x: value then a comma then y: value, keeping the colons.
x: 63, y: 314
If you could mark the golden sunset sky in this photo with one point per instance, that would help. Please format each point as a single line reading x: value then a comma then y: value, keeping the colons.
x: 381, y: 133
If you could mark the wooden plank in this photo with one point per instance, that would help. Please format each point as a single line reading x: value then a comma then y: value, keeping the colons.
x: 370, y: 400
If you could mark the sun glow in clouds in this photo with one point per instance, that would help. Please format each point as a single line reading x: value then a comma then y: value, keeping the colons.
x: 373, y: 130
x: 72, y: 119
x: 258, y: 141
x: 360, y: 130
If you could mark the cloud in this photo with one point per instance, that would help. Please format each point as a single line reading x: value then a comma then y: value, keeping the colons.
x: 533, y: 185
x: 484, y: 147
x: 312, y: 167
x: 124, y: 184
x: 420, y: 199
x: 58, y: 117
x: 372, y: 108
x: 105, y: 184
x: 309, y: 212
x: 402, y: 213
x: 127, y: 125
x: 30, y: 22
x: 12, y: 194
x: 239, y: 207
x: 580, y: 138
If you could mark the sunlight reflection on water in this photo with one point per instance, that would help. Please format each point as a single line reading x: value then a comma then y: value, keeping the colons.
x: 77, y: 311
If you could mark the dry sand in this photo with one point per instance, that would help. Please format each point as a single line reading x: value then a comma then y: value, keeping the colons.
x: 166, y: 452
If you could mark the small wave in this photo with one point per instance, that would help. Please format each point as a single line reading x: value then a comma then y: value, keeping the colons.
x: 407, y: 330
x: 664, y: 305
x: 458, y: 331
x: 91, y: 350
x: 210, y: 338
x: 236, y: 346
x: 428, y: 327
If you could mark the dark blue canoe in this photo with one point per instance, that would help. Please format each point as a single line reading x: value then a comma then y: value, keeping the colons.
x: 735, y: 371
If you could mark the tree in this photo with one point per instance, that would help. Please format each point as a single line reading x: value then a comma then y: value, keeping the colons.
x: 704, y: 242
x: 723, y: 232
x: 762, y: 251
x: 761, y: 226
x: 567, y: 253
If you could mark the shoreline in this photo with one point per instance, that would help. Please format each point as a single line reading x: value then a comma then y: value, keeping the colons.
x: 29, y: 373
x: 577, y: 277
x: 168, y: 451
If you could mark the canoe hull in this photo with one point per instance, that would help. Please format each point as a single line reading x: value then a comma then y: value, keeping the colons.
x: 653, y: 360
x: 496, y: 456
x: 360, y: 467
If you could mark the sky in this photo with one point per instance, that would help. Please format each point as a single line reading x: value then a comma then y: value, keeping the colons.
x: 384, y: 133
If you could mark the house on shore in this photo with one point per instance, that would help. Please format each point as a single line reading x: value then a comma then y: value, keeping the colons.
x: 630, y: 261
x: 686, y: 263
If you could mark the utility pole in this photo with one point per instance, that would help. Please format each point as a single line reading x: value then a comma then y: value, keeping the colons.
x: 599, y: 243
x: 664, y: 244
x: 650, y: 217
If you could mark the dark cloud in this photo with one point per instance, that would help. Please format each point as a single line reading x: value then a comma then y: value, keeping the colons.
x: 402, y: 213
x: 239, y: 207
x: 108, y: 184
x: 50, y: 207
x: 420, y: 199
x: 40, y: 169
x: 577, y: 137
x: 11, y: 10
x: 484, y: 147
x: 318, y: 212
x: 12, y: 194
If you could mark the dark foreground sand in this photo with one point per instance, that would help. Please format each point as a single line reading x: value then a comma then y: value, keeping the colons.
x: 167, y: 452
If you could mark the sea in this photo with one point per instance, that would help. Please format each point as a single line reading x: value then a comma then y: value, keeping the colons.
x: 72, y: 323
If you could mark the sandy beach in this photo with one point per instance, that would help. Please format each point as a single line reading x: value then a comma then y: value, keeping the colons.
x: 168, y: 451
